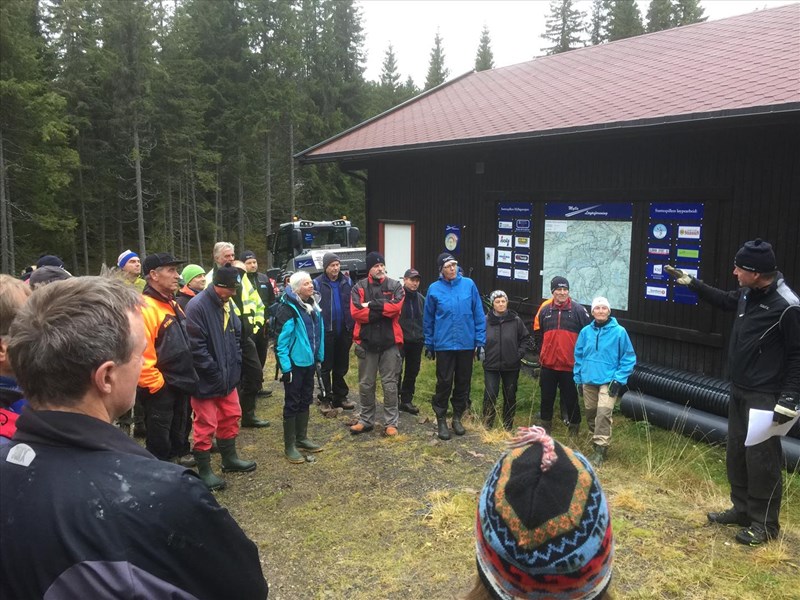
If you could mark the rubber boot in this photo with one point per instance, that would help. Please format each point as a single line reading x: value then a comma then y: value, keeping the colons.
x: 250, y: 420
x: 458, y: 428
x: 443, y: 432
x: 231, y: 463
x: 248, y: 404
x: 301, y: 434
x: 547, y: 426
x: 214, y: 447
x: 203, y: 459
x: 598, y: 457
x: 289, y: 441
x: 574, y: 429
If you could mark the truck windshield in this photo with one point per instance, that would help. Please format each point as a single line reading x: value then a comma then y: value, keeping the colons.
x: 320, y: 237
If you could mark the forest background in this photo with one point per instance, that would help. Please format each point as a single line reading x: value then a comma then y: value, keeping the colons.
x: 167, y: 125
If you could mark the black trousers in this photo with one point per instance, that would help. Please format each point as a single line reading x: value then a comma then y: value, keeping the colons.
x: 336, y: 364
x: 252, y: 376
x: 754, y: 472
x: 492, y: 381
x: 166, y: 414
x: 453, y: 372
x: 412, y: 357
x: 299, y: 394
x: 261, y: 341
x: 550, y: 381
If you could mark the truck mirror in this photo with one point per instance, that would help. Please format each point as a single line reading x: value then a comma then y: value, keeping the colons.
x: 297, y: 241
x: 353, y: 235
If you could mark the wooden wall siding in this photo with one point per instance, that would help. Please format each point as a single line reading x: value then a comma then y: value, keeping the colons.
x: 748, y: 177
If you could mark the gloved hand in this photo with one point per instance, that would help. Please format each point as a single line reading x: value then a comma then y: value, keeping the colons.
x: 614, y: 388
x: 681, y: 278
x: 480, y: 354
x: 787, y: 408
x: 429, y: 353
x: 287, y: 377
x: 580, y: 389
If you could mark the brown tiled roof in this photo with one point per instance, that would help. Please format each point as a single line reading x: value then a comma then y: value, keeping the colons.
x: 748, y: 64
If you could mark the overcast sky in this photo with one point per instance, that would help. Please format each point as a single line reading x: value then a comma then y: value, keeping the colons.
x: 515, y: 28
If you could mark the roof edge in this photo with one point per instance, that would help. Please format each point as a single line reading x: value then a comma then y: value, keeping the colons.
x: 416, y: 98
x: 532, y: 135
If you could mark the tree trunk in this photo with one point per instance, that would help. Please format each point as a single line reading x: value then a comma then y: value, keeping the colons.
x: 194, y: 212
x: 5, y: 213
x: 241, y: 207
x: 137, y: 159
x: 217, y: 208
x: 170, y: 222
x: 291, y: 170
x: 268, y: 194
x: 84, y: 227
x: 103, y: 233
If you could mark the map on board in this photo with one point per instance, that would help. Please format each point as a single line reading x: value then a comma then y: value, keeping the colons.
x: 595, y: 257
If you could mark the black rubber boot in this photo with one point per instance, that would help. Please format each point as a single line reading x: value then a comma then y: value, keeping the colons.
x: 249, y: 419
x: 203, y: 459
x: 231, y: 463
x: 409, y: 407
x: 289, y: 441
x: 547, y: 426
x: 442, y: 431
x: 247, y: 400
x: 301, y: 434
x: 458, y: 428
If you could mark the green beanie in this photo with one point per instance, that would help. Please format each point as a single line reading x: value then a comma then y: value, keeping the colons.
x: 190, y: 272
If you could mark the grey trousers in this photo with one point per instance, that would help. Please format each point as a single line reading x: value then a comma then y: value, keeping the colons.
x: 599, y: 408
x: 369, y: 364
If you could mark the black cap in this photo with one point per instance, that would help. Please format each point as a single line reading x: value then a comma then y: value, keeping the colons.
x: 410, y: 273
x: 47, y: 274
x: 756, y: 256
x: 227, y: 277
x: 49, y: 260
x: 374, y: 258
x: 160, y: 259
x: 444, y: 258
x: 247, y: 255
x: 559, y: 282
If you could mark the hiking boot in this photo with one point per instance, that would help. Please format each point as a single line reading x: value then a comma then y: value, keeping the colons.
x: 409, y: 408
x: 441, y: 426
x: 598, y: 457
x: 289, y: 441
x: 755, y: 535
x: 187, y: 460
x: 343, y: 403
x: 360, y: 428
x: 231, y: 463
x: 573, y: 429
x: 301, y: 437
x: 262, y: 393
x: 547, y: 426
x: 390, y: 431
x: 458, y: 428
x: 203, y: 458
x: 729, y: 517
x: 249, y: 419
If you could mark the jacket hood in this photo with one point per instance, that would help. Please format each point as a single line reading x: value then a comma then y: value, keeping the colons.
x: 494, y: 319
x: 612, y: 322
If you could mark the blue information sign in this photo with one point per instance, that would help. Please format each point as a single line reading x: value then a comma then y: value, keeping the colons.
x: 676, y: 211
x: 589, y: 212
x: 515, y: 209
x: 656, y: 271
x: 682, y: 295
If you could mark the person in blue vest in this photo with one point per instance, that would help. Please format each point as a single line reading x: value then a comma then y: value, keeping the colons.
x: 334, y: 288
x: 454, y: 327
x: 300, y: 349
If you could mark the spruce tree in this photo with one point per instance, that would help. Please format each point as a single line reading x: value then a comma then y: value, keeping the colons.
x: 688, y: 12
x: 564, y: 27
x: 598, y: 23
x: 437, y: 73
x: 484, y: 60
x: 660, y: 15
x: 624, y: 20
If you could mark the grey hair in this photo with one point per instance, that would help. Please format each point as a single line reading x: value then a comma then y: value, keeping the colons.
x: 297, y: 278
x: 221, y: 247
x: 67, y: 330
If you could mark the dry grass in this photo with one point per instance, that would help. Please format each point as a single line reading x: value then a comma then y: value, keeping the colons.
x: 378, y: 517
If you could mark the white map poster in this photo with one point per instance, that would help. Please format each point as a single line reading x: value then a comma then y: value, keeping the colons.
x: 595, y: 257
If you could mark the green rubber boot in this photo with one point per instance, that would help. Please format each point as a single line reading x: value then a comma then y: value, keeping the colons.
x: 301, y: 434
x: 598, y: 457
x: 203, y: 458
x: 230, y: 459
x: 289, y: 441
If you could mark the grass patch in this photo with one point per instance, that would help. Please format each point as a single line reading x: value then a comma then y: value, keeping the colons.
x: 377, y: 517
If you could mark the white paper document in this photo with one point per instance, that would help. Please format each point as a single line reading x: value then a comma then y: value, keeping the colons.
x: 761, y: 427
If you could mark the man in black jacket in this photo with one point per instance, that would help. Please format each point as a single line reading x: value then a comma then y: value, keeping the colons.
x: 413, y: 339
x: 84, y: 510
x: 764, y: 366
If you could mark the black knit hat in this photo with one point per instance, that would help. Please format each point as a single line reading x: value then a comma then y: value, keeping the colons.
x: 247, y: 255
x: 227, y: 277
x: 329, y: 258
x: 756, y: 256
x: 559, y: 282
x: 49, y: 260
x: 374, y: 258
x: 443, y: 259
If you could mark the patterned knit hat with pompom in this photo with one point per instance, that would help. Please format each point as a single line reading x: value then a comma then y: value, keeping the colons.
x: 543, y: 528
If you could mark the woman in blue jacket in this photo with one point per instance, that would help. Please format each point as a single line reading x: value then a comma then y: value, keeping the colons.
x: 604, y: 359
x: 300, y: 348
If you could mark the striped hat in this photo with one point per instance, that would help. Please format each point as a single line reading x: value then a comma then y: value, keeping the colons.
x: 543, y: 528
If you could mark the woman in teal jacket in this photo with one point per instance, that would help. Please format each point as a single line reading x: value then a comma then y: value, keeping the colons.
x: 300, y: 348
x: 604, y: 359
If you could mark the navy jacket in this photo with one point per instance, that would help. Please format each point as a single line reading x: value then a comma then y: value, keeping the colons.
x: 87, y: 512
x: 323, y: 285
x: 217, y: 354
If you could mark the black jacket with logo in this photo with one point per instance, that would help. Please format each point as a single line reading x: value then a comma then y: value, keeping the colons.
x: 506, y: 340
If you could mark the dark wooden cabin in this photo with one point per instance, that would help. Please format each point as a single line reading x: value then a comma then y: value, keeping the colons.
x: 705, y: 117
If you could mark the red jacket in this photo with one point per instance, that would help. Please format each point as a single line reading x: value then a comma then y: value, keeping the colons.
x: 559, y: 327
x: 377, y: 327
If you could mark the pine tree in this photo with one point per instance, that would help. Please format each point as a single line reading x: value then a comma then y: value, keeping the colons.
x: 437, y: 73
x: 660, y: 15
x: 564, y: 27
x: 598, y: 23
x: 624, y: 20
x: 390, y: 78
x: 484, y: 60
x: 688, y: 12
